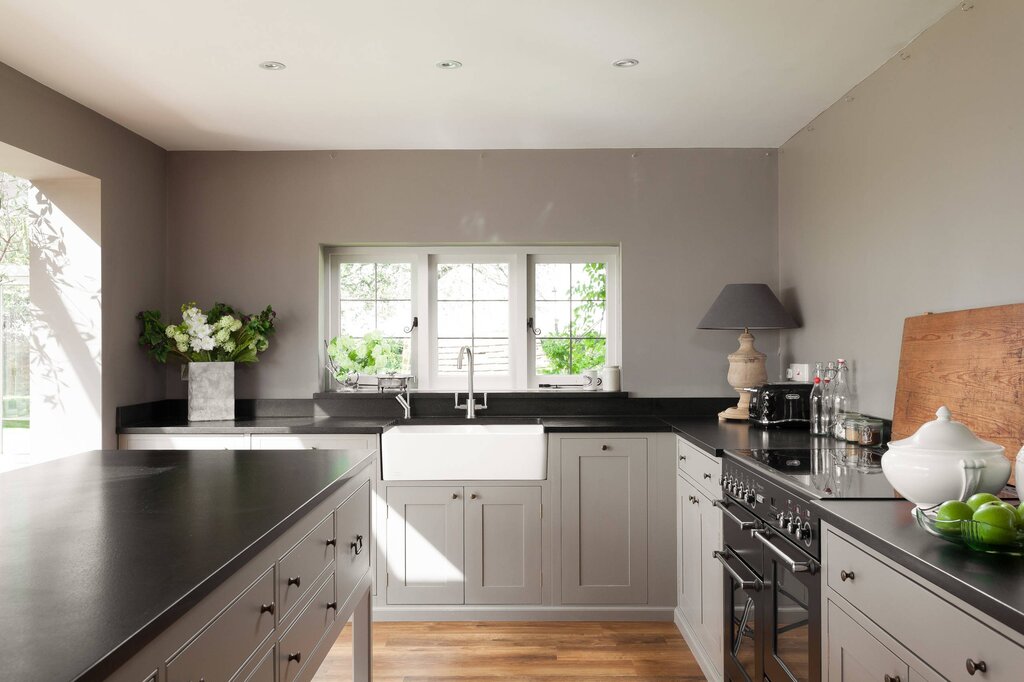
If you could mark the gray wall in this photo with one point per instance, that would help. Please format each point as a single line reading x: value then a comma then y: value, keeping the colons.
x: 131, y: 170
x: 909, y: 198
x: 245, y: 228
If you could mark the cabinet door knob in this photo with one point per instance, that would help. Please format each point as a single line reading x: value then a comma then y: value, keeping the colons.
x: 707, y: 476
x: 333, y: 542
x: 455, y: 496
x: 472, y: 496
x: 332, y: 605
x: 892, y: 678
x: 604, y: 447
x: 357, y: 546
x: 297, y: 657
x: 267, y: 608
x: 847, y: 575
x: 297, y: 581
x: 976, y: 666
x: 682, y: 458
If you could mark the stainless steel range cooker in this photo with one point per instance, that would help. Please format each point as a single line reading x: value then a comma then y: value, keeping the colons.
x: 772, y: 552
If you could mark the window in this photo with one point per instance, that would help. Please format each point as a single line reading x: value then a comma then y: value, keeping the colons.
x: 531, y: 315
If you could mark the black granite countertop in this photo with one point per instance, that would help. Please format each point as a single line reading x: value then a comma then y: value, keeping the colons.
x: 715, y: 437
x: 993, y: 584
x: 99, y: 552
x: 266, y: 425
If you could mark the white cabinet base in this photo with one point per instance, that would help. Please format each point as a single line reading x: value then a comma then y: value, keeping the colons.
x: 708, y: 666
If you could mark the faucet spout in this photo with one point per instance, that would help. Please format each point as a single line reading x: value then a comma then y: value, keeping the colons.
x: 405, y: 400
x: 470, y: 407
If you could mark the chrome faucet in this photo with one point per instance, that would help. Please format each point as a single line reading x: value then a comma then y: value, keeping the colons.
x: 470, y: 407
x: 405, y: 400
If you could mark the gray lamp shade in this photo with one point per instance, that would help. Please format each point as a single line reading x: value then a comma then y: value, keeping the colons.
x: 747, y: 306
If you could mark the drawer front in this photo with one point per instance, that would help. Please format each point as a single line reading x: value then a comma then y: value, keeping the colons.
x: 303, y: 564
x: 184, y: 441
x: 702, y: 468
x: 298, y: 644
x: 853, y: 654
x: 223, y: 646
x: 353, y: 526
x: 264, y: 670
x: 925, y: 628
x: 313, y: 441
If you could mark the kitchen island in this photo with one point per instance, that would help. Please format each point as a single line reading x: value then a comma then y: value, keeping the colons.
x: 166, y: 565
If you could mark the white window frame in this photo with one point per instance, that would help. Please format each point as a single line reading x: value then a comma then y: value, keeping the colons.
x: 424, y: 261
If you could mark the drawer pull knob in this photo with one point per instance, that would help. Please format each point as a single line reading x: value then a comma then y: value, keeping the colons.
x: 332, y: 605
x: 845, y: 575
x: 707, y: 476
x: 682, y: 458
x: 472, y: 496
x: 333, y: 542
x: 892, y: 678
x: 267, y: 608
x: 976, y: 666
x: 455, y: 496
x: 297, y: 657
x: 295, y: 581
x: 357, y: 546
x: 604, y: 447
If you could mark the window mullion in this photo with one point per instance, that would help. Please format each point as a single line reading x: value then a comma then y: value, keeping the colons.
x: 519, y: 307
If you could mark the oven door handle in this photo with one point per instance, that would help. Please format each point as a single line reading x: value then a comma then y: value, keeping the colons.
x: 724, y: 506
x: 723, y: 558
x: 794, y: 566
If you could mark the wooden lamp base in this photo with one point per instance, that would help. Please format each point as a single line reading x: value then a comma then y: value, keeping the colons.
x: 746, y: 370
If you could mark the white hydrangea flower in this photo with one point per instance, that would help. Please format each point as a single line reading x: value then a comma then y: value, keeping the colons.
x: 229, y: 346
x: 182, y: 345
x: 222, y: 336
x: 171, y: 331
x: 236, y: 325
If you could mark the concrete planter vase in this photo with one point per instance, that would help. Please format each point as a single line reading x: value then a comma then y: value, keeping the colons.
x: 211, y: 391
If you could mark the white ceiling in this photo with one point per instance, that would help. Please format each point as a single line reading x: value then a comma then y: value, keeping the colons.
x: 537, y: 74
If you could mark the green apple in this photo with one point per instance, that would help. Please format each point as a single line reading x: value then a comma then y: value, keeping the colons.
x: 1020, y: 515
x: 950, y: 514
x: 1001, y: 503
x: 997, y: 524
x: 978, y: 499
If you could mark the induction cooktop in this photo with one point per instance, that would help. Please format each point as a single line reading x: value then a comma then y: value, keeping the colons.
x: 829, y: 471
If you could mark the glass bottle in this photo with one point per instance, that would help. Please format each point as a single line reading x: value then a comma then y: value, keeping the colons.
x: 842, y: 400
x: 817, y: 405
x: 827, y: 415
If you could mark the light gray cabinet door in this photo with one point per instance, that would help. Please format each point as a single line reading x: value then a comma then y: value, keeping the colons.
x: 689, y: 552
x: 503, y: 545
x: 425, y: 545
x: 711, y: 579
x: 604, y: 520
x: 854, y: 655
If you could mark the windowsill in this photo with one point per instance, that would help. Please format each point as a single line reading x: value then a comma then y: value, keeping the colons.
x: 504, y: 393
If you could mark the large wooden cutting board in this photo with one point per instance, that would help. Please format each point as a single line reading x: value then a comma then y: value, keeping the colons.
x: 971, y: 361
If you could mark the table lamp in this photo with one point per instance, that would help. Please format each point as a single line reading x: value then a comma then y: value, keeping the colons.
x: 746, y: 307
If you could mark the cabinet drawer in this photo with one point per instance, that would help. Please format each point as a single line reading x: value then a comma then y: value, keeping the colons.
x: 223, y: 646
x: 313, y: 441
x: 853, y: 654
x: 702, y: 468
x: 303, y: 564
x: 263, y: 671
x: 298, y: 644
x: 925, y: 628
x: 353, y: 526
x: 182, y: 441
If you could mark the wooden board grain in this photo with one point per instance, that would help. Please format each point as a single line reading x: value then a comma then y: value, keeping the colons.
x: 971, y: 361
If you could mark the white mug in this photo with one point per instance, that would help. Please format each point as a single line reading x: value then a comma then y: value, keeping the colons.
x: 611, y: 378
x: 591, y: 382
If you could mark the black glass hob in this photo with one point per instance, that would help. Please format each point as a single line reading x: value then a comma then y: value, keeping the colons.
x: 829, y: 471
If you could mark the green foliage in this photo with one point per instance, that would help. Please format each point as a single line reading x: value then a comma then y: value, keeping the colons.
x: 220, y: 335
x: 579, y: 348
x: 16, y: 218
x: 372, y: 354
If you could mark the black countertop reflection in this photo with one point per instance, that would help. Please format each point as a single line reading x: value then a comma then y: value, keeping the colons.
x: 99, y: 552
x: 715, y: 437
x: 991, y: 583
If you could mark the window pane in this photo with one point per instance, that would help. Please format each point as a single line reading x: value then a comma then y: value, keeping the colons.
x: 454, y: 319
x: 552, y: 356
x: 394, y: 281
x: 448, y: 353
x: 553, y: 318
x: 356, y: 281
x: 454, y: 281
x: 490, y: 282
x: 588, y: 281
x: 490, y: 318
x: 491, y: 356
x: 587, y: 354
x: 393, y: 317
x: 356, y: 318
x: 551, y: 281
x: 588, y: 319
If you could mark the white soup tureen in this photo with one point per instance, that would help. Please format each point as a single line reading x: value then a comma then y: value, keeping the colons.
x: 943, y: 461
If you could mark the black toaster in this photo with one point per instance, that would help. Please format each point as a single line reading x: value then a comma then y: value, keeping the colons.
x: 787, y: 403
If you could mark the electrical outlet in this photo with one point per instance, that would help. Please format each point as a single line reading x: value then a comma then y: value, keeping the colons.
x: 798, y: 372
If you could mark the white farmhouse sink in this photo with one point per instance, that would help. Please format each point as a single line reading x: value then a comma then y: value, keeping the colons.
x: 475, y: 452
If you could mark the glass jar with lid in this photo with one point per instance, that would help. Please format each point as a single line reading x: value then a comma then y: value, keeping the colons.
x: 871, y: 431
x: 839, y: 424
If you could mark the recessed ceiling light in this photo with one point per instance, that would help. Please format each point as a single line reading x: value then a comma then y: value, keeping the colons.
x: 272, y: 66
x: 625, y: 63
x: 449, y: 64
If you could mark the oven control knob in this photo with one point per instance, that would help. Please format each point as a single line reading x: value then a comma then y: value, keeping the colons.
x: 805, y: 533
x: 794, y: 527
x: 750, y: 497
x: 782, y: 518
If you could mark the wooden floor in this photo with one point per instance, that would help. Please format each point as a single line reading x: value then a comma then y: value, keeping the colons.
x: 422, y: 652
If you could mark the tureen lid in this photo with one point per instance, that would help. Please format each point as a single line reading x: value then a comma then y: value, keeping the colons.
x: 944, y: 434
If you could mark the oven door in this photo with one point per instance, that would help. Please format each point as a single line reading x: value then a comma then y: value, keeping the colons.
x: 741, y: 558
x: 792, y: 611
